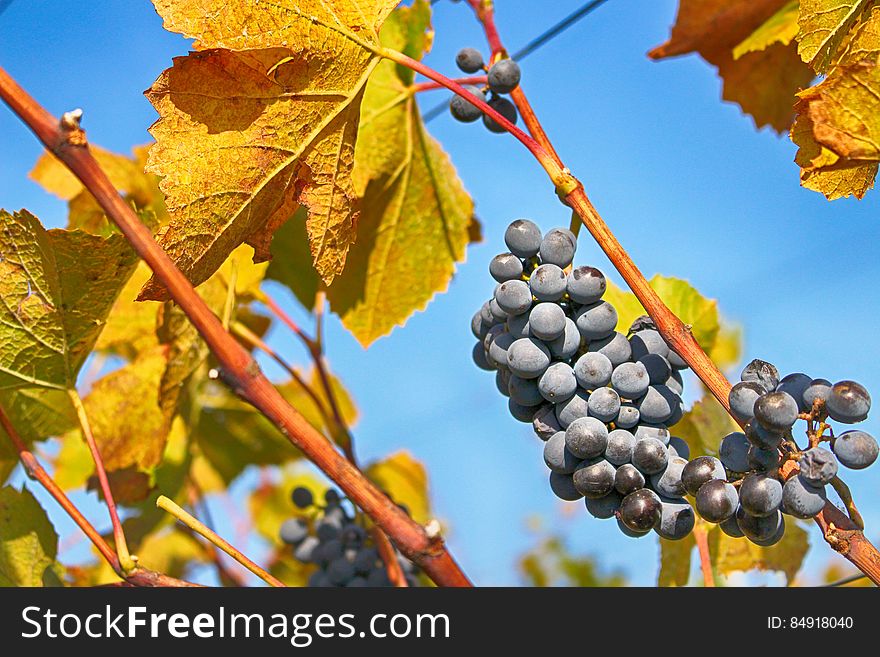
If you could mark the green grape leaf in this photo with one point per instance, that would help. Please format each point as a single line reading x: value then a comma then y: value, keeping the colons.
x: 57, y: 288
x: 28, y: 542
x: 782, y: 27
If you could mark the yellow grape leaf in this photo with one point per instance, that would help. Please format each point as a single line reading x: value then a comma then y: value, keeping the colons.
x: 131, y: 324
x: 416, y: 214
x: 740, y: 554
x: 28, y: 542
x: 36, y: 414
x: 123, y: 410
x: 243, y: 138
x: 74, y: 464
x: 171, y: 552
x: 700, y: 313
x: 404, y: 480
x: 675, y: 561
x: 864, y: 40
x: 270, y: 504
x: 824, y: 171
x: 727, y: 349
x: 703, y: 427
x: 291, y: 263
x: 763, y: 82
x: 824, y: 24
x: 57, y: 288
x: 782, y: 27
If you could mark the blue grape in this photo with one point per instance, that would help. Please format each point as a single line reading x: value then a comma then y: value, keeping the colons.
x: 596, y: 321
x: 677, y: 519
x: 775, y: 538
x: 462, y: 109
x: 764, y: 460
x: 478, y: 327
x: 573, y: 408
x: 648, y: 341
x: 817, y: 466
x: 796, y: 385
x: 758, y: 528
x: 628, y: 479
x: 502, y: 381
x: 760, y: 494
x: 469, y: 60
x: 819, y: 389
x: 557, y: 457
x: 365, y: 560
x: 801, y: 499
x: 557, y: 383
x: 675, y: 382
x: 586, y: 285
x: 742, y: 398
x: 620, y: 446
x: 547, y: 321
x: 678, y: 447
x: 734, y: 452
x: 505, y: 267
x: 593, y: 370
x: 776, y: 411
x: 479, y: 356
x: 339, y: 571
x: 762, y: 438
x: 305, y: 551
x: 658, y: 431
x: 523, y: 238
x: 658, y: 404
x: 731, y: 527
x: 497, y: 353
x: 518, y: 325
x: 628, y: 416
x: 855, y: 449
x: 558, y: 247
x: 586, y: 437
x: 668, y: 482
x: 849, y: 402
x: 699, y: 471
x: 524, y: 391
x: 302, y: 497
x: 514, y: 297
x: 630, y: 380
x: 294, y: 530
x: 716, y: 500
x: 528, y: 358
x: 604, y: 508
x: 520, y: 412
x: 676, y: 361
x: 631, y: 533
x: 544, y: 422
x: 604, y: 404
x: 548, y: 282
x: 761, y: 372
x: 650, y: 456
x: 658, y: 368
x: 504, y: 76
x: 505, y: 108
x: 594, y: 479
x: 567, y: 344
x: 563, y: 487
x: 615, y: 347
x: 640, y: 511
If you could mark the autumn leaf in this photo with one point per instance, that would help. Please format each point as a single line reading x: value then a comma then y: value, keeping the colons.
x: 28, y: 542
x: 782, y: 27
x: 416, y: 214
x: 763, y: 81
x: 243, y: 138
x: 739, y: 554
x: 171, y: 552
x: 57, y: 288
x: 703, y: 427
x: 863, y: 43
x: 675, y: 561
x: 404, y: 480
x: 824, y: 24
x: 291, y: 263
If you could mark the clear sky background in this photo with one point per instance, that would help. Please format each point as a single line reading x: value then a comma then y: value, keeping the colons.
x: 686, y: 182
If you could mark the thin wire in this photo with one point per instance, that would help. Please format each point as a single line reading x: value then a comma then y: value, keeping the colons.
x: 533, y: 45
x: 847, y: 580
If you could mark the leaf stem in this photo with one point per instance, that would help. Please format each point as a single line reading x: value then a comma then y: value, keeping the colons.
x: 126, y: 563
x: 431, y: 86
x: 701, y: 536
x: 203, y: 530
x: 237, y: 366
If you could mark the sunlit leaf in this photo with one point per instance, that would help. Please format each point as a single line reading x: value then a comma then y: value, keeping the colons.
x: 704, y: 426
x: 739, y: 554
x: 404, y: 480
x: 675, y: 561
x: 28, y: 542
x: 782, y: 27
x: 824, y: 24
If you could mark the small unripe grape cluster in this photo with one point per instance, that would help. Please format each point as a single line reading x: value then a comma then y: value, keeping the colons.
x: 335, y: 540
x: 502, y: 78
x: 751, y: 497
x: 602, y: 401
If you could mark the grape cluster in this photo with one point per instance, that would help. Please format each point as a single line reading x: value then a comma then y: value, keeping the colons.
x: 602, y: 401
x: 751, y: 497
x: 502, y: 78
x: 336, y: 541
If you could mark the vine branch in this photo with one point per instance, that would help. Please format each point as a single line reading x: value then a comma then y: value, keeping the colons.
x: 238, y: 369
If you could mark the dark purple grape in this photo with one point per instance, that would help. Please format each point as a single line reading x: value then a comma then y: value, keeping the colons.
x: 640, y: 511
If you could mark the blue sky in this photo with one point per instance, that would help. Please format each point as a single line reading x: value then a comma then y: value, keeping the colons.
x: 685, y: 181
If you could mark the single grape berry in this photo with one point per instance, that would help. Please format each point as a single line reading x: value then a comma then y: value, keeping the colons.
x: 586, y: 437
x: 557, y: 382
x: 504, y: 76
x: 631, y: 380
x: 658, y: 405
x: 563, y: 487
x: 761, y: 437
x: 469, y: 60
x: 678, y: 447
x: 544, y: 422
x: 514, y: 297
x: 294, y: 531
x: 760, y: 494
x: 593, y: 370
x: 619, y: 447
x: 557, y: 456
x: 528, y: 358
x: 640, y: 511
x: 648, y: 341
x: 547, y: 321
x: 524, y: 391
x: 717, y: 500
x: 796, y: 385
x: 594, y: 478
x: 855, y: 449
x: 505, y: 267
x: 462, y: 109
x: 677, y: 519
x: 658, y: 368
x: 523, y: 238
x: 558, y: 247
x: 628, y: 479
x: 628, y: 417
x: 699, y: 471
x: 650, y: 456
x: 548, y: 282
x: 505, y: 108
x: 761, y: 372
x: 567, y: 344
x: 586, y: 285
x: 668, y: 483
x: 604, y: 404
x: 817, y: 466
x: 332, y: 497
x: 763, y: 460
x: 731, y: 527
x: 573, y: 408
x: 734, y: 452
x: 759, y: 528
x: 849, y: 402
x: 604, y: 508
x: 302, y: 497
x: 801, y: 499
x: 776, y: 411
x: 818, y: 390
x: 742, y: 399
x: 615, y: 347
x: 596, y: 321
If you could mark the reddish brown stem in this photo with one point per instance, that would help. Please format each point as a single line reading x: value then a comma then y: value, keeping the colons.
x: 701, y: 536
x: 237, y: 368
x: 431, y: 86
x: 138, y: 577
x: 839, y: 531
